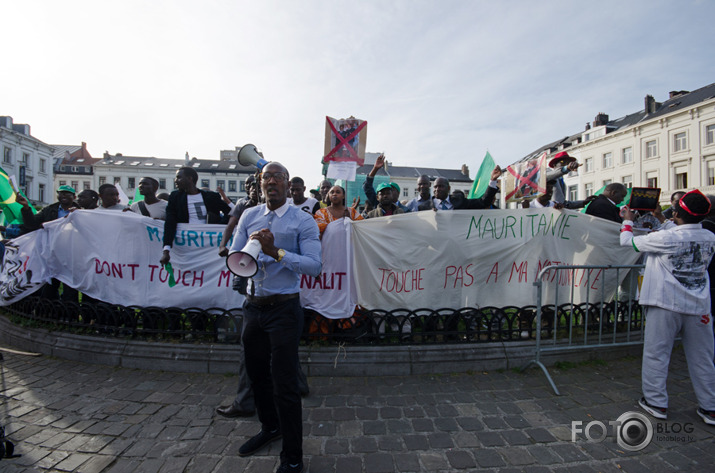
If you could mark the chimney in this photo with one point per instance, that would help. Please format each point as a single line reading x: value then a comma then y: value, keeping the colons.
x: 588, y: 126
x: 6, y: 122
x: 23, y: 129
x: 186, y: 158
x: 600, y: 120
x: 650, y: 104
x: 677, y: 93
x: 106, y: 155
x: 465, y: 170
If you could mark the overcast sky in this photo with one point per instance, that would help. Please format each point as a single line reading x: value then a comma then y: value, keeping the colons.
x: 439, y: 82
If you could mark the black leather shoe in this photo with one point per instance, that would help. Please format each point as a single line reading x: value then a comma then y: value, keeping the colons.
x: 231, y: 411
x: 257, y: 442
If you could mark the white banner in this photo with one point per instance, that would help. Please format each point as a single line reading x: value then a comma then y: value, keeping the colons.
x: 332, y: 294
x: 419, y: 260
x: 480, y: 258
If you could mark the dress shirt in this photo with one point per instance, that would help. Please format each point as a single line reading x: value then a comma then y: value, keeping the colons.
x: 414, y: 204
x: 295, y: 232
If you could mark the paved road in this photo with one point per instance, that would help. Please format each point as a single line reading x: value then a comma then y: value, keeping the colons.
x: 75, y: 417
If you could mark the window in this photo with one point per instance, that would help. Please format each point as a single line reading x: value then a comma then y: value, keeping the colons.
x: 205, y: 183
x: 628, y: 181
x: 711, y: 173
x: 26, y: 159
x: 75, y: 185
x: 86, y: 185
x: 221, y: 183
x: 242, y: 186
x: 588, y: 189
x: 607, y: 182
x: 607, y: 160
x: 41, y: 193
x: 130, y: 183
x: 680, y: 142
x: 573, y: 192
x: 651, y: 179
x: 7, y: 156
x: 232, y: 186
x: 43, y: 165
x: 651, y: 149
x: 102, y: 180
x: 627, y: 155
x: 681, y: 177
x: 162, y: 183
x: 710, y: 134
x: 117, y: 180
x: 588, y: 165
x: 63, y: 183
x: 406, y: 192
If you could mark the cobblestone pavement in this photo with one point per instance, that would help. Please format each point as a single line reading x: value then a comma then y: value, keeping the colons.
x: 67, y: 416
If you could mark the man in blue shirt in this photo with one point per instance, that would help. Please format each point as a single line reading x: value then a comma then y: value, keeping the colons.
x: 273, y: 317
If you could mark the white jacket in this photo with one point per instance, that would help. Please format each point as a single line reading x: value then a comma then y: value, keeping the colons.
x: 676, y: 267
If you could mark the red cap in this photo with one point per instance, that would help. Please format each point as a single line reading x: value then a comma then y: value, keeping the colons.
x: 697, y: 203
x: 559, y: 157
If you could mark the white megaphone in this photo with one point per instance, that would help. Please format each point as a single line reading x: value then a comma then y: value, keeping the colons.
x: 250, y: 156
x: 245, y: 262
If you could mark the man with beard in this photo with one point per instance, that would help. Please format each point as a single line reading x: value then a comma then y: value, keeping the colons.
x: 273, y: 317
x: 385, y: 202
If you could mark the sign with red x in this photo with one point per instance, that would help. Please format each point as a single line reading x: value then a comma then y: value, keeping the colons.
x: 526, y: 179
x: 345, y: 140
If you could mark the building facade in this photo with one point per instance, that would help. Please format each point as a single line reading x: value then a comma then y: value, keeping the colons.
x: 127, y: 171
x: 28, y: 159
x: 669, y: 145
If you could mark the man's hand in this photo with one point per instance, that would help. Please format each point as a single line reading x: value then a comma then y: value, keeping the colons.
x: 558, y: 205
x: 525, y: 204
x: 496, y: 173
x: 222, y: 251
x: 573, y: 165
x: 379, y: 164
x: 658, y: 213
x: 22, y: 201
x: 589, y: 199
x: 165, y: 258
x: 628, y: 214
x: 356, y: 202
x: 265, y: 238
x: 223, y: 195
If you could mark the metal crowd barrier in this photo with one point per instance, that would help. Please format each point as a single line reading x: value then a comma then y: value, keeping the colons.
x: 611, y: 320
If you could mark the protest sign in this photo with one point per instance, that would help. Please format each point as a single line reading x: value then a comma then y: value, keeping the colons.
x: 480, y: 258
x: 462, y: 258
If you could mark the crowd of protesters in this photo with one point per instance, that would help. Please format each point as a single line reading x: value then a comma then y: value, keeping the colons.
x: 676, y: 294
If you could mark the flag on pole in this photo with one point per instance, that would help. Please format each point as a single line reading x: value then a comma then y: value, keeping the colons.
x: 10, y: 208
x: 484, y: 175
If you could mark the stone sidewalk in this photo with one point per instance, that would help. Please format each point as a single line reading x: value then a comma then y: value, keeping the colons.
x: 74, y: 417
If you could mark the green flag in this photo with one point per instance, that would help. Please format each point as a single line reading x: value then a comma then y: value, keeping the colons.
x: 484, y: 175
x: 625, y: 200
x: 10, y: 208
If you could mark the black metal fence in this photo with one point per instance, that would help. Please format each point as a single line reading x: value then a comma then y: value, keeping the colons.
x: 376, y: 327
